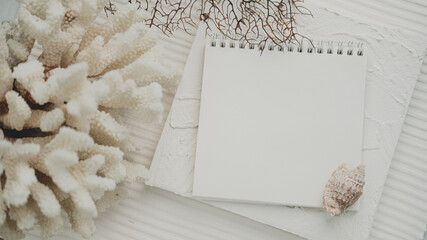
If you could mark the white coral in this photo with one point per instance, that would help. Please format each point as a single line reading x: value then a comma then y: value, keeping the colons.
x: 6, y: 80
x: 113, y: 167
x: 118, y: 43
x: 20, y: 176
x: 47, y: 121
x: 61, y: 150
x: 30, y: 77
x: 106, y: 130
x: 18, y: 111
x: 18, y: 42
x: 126, y: 94
x: 148, y: 69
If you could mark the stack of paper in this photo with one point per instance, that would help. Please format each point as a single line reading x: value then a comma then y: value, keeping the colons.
x: 272, y: 128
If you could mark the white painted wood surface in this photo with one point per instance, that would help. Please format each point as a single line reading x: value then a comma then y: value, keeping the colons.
x: 149, y: 213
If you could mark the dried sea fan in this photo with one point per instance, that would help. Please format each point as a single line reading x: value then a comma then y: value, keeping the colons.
x: 343, y: 189
x: 249, y: 21
x: 61, y: 149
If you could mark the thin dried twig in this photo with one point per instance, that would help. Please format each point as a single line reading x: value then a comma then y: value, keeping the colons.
x: 248, y: 21
x: 110, y: 8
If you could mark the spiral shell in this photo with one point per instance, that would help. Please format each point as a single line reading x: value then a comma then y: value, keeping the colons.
x: 343, y: 188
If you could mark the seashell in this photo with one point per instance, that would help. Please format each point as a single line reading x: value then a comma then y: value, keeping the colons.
x: 343, y: 188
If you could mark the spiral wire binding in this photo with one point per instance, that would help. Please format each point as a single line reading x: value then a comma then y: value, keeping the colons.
x: 320, y: 47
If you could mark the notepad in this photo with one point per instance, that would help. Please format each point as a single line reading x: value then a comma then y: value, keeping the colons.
x: 273, y: 127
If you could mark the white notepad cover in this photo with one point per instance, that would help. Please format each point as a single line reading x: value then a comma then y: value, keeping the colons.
x: 273, y: 127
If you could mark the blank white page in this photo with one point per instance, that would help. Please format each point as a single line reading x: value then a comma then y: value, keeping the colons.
x: 273, y: 128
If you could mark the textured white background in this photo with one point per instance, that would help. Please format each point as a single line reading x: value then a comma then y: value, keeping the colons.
x: 402, y: 214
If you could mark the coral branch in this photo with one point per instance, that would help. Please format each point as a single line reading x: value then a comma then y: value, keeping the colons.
x: 61, y: 149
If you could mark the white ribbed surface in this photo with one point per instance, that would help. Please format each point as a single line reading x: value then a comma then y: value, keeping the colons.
x: 149, y: 213
x: 402, y: 214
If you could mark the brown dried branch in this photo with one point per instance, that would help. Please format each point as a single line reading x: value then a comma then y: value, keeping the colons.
x: 110, y: 8
x: 248, y: 21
